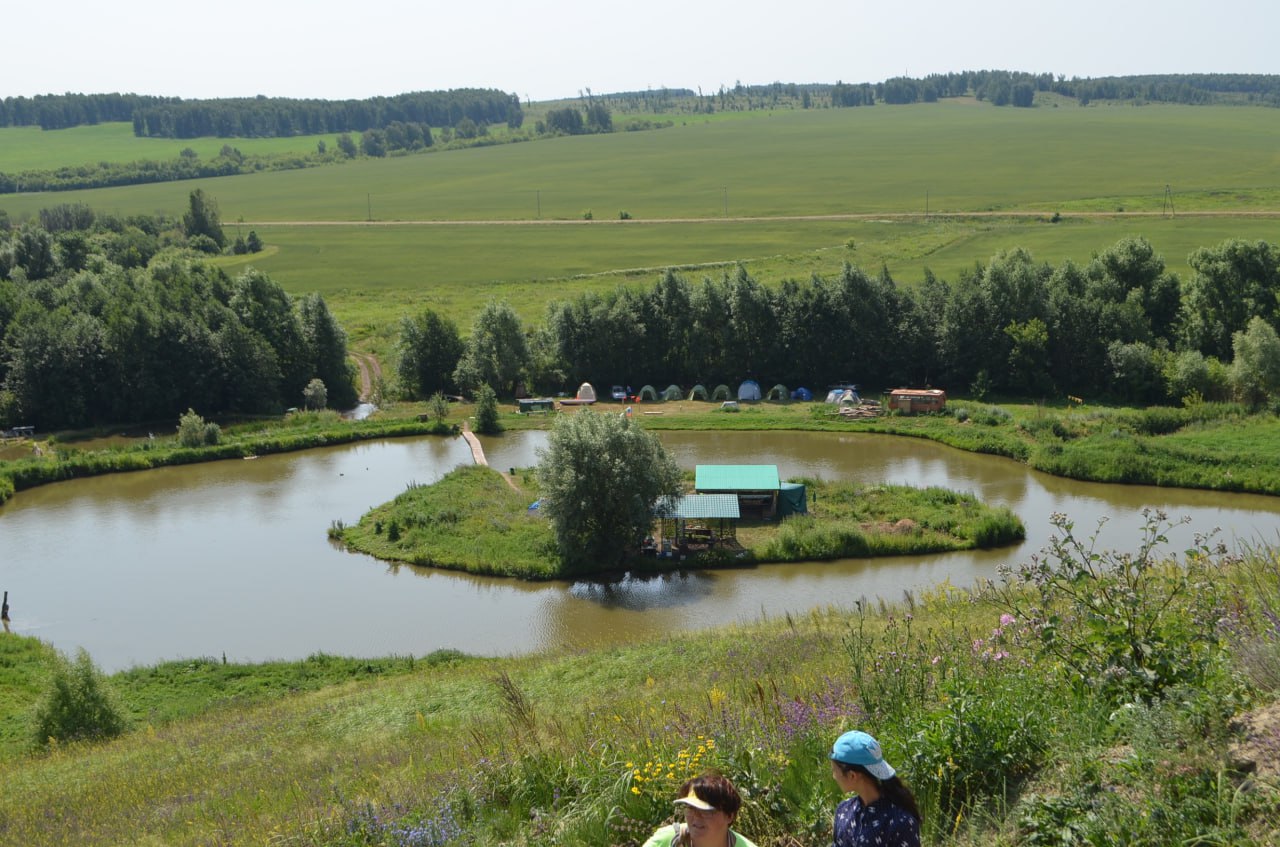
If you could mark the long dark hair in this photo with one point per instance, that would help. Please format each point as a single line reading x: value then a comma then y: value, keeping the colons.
x: 892, y: 789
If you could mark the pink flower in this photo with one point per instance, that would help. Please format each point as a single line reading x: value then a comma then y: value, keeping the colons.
x: 1007, y: 619
x: 936, y: 659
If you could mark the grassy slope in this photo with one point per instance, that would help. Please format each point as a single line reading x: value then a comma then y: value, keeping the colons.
x: 29, y: 148
x: 953, y: 156
x: 582, y: 727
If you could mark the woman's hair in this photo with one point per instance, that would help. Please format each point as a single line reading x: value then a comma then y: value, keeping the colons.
x: 715, y: 789
x: 892, y: 789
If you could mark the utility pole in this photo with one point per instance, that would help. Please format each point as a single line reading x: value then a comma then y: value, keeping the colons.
x: 1168, y: 200
x: 726, y: 201
x: 539, y: 204
x: 368, y: 199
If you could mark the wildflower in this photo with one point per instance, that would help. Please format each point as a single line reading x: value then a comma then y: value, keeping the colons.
x: 1007, y: 619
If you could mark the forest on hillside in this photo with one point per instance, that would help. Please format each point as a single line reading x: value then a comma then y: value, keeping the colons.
x: 256, y: 117
x: 107, y: 319
x: 408, y: 123
x: 259, y: 117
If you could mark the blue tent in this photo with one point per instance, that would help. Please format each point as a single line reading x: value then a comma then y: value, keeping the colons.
x: 802, y: 393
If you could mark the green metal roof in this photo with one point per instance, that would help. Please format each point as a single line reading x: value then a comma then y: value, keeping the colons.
x: 736, y: 478
x: 692, y: 506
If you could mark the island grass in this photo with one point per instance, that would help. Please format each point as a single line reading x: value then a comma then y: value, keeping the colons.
x: 848, y: 520
x: 473, y: 520
x: 469, y: 520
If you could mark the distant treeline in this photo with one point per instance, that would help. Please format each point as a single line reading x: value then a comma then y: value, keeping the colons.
x: 1002, y: 88
x: 261, y: 117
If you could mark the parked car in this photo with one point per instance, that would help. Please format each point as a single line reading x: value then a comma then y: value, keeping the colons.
x: 618, y: 393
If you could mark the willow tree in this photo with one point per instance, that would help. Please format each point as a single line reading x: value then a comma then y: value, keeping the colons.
x: 601, y: 476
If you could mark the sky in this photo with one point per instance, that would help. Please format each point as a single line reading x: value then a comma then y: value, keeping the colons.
x: 551, y: 49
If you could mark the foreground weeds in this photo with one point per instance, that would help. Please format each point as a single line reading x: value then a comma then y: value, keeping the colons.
x: 1092, y: 697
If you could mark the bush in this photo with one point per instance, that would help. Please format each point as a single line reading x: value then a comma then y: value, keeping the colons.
x: 1125, y: 625
x: 77, y: 705
x: 193, y: 431
x: 315, y: 395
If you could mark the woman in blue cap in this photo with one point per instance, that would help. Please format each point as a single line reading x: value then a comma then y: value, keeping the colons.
x: 883, y: 811
x: 710, y: 804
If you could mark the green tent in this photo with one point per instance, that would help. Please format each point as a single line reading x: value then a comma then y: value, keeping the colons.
x: 792, y: 499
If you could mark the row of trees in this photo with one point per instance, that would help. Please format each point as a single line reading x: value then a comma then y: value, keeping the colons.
x: 71, y: 237
x: 258, y: 117
x: 62, y: 111
x: 119, y: 321
x: 1122, y: 326
x: 278, y: 117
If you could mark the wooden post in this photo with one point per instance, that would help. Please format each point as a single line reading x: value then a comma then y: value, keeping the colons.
x: 4, y: 609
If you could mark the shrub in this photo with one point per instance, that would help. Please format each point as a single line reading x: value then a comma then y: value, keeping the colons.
x: 439, y: 406
x: 980, y: 741
x: 193, y: 431
x: 315, y: 396
x: 77, y: 705
x: 1127, y: 625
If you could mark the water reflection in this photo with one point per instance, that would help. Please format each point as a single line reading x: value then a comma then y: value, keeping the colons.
x: 646, y: 592
x: 233, y: 558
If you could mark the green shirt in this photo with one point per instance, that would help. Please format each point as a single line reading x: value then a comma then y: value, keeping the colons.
x: 669, y: 836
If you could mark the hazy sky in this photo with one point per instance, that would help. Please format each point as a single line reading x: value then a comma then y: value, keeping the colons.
x: 546, y: 49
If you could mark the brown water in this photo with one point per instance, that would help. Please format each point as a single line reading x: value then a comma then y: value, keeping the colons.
x: 231, y: 558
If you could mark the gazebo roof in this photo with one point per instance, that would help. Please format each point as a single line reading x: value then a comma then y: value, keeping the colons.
x: 694, y: 506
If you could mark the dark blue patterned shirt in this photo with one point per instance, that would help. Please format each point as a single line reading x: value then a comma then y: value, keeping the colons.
x: 880, y: 824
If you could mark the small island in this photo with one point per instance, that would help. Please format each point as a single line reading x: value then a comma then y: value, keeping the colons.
x: 482, y: 521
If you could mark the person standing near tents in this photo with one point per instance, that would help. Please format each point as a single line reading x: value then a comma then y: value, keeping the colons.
x: 883, y: 811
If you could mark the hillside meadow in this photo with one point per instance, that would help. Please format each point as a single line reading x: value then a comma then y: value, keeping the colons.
x: 788, y: 193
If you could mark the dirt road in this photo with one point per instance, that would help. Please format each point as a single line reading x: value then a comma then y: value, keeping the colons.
x: 370, y: 373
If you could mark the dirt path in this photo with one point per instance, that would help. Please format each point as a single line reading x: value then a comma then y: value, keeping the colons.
x: 370, y: 372
x: 859, y: 216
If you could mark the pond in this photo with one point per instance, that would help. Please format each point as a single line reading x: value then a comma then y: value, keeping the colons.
x: 232, y: 558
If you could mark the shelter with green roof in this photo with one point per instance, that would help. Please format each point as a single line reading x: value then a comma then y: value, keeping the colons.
x: 698, y: 519
x: 755, y: 486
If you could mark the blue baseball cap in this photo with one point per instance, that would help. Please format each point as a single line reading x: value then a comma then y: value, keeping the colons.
x: 858, y: 748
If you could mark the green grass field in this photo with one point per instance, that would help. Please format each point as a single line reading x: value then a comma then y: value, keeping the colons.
x: 727, y: 189
x: 29, y: 148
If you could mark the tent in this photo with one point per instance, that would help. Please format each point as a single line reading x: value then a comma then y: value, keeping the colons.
x: 778, y: 392
x: 672, y: 392
x: 698, y: 392
x: 843, y: 395
x: 648, y: 394
x: 792, y: 499
x: 721, y: 393
x: 586, y: 392
x: 802, y: 393
x: 749, y: 390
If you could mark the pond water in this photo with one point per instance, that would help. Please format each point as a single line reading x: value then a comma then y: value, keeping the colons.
x: 232, y: 558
